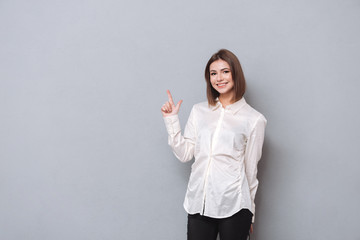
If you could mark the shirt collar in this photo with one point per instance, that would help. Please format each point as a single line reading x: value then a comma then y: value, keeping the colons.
x: 233, y: 108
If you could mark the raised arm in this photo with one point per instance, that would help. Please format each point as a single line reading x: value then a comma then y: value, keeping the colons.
x: 182, y: 145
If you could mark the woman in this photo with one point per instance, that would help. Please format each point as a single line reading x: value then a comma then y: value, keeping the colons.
x: 225, y: 135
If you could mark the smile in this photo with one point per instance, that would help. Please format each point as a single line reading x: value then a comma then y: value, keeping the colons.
x: 221, y: 85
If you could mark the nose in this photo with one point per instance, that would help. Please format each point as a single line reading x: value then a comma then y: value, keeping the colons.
x: 219, y: 77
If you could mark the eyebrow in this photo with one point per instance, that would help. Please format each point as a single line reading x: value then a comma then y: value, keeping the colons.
x: 220, y: 69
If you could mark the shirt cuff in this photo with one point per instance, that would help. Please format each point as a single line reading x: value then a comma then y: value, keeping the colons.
x: 172, y: 124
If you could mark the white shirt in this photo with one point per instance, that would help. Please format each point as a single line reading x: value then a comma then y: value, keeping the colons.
x: 227, y: 145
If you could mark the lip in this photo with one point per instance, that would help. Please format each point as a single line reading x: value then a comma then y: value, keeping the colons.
x: 221, y: 85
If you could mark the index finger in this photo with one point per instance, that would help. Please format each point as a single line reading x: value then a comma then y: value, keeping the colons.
x: 170, y: 97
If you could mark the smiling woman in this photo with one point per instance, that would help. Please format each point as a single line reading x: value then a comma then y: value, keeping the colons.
x: 225, y: 135
x: 224, y: 63
x: 221, y: 80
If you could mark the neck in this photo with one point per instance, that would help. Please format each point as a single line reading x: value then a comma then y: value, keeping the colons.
x: 226, y: 99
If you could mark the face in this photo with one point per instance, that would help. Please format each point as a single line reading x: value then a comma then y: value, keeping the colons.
x: 221, y: 77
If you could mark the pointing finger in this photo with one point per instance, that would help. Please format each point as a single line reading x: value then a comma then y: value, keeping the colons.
x: 170, y: 97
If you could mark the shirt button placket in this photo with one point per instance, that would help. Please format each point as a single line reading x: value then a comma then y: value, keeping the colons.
x: 213, y: 141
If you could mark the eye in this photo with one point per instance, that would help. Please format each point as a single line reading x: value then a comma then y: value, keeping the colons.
x: 226, y: 71
x: 213, y: 74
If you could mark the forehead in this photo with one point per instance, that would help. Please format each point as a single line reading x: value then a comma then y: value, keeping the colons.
x: 218, y: 65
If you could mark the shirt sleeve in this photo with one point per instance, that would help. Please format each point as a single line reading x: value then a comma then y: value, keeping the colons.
x: 252, y: 156
x: 182, y: 145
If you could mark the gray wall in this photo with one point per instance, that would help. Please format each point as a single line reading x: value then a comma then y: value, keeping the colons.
x: 83, y: 147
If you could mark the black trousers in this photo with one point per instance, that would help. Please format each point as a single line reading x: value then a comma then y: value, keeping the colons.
x: 235, y: 227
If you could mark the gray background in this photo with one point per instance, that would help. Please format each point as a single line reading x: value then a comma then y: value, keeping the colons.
x: 83, y: 147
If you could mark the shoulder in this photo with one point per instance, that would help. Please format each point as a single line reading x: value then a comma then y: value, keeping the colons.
x: 255, y: 116
x: 201, y: 106
x: 199, y: 110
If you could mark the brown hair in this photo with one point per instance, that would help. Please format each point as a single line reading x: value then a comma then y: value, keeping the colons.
x: 236, y: 72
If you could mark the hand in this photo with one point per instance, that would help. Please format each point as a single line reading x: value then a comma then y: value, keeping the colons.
x: 251, y: 229
x: 169, y: 108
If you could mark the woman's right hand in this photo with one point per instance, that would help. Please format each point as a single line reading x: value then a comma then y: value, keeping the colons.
x: 169, y: 108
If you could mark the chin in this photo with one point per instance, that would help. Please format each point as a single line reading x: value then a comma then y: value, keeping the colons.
x: 223, y: 91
